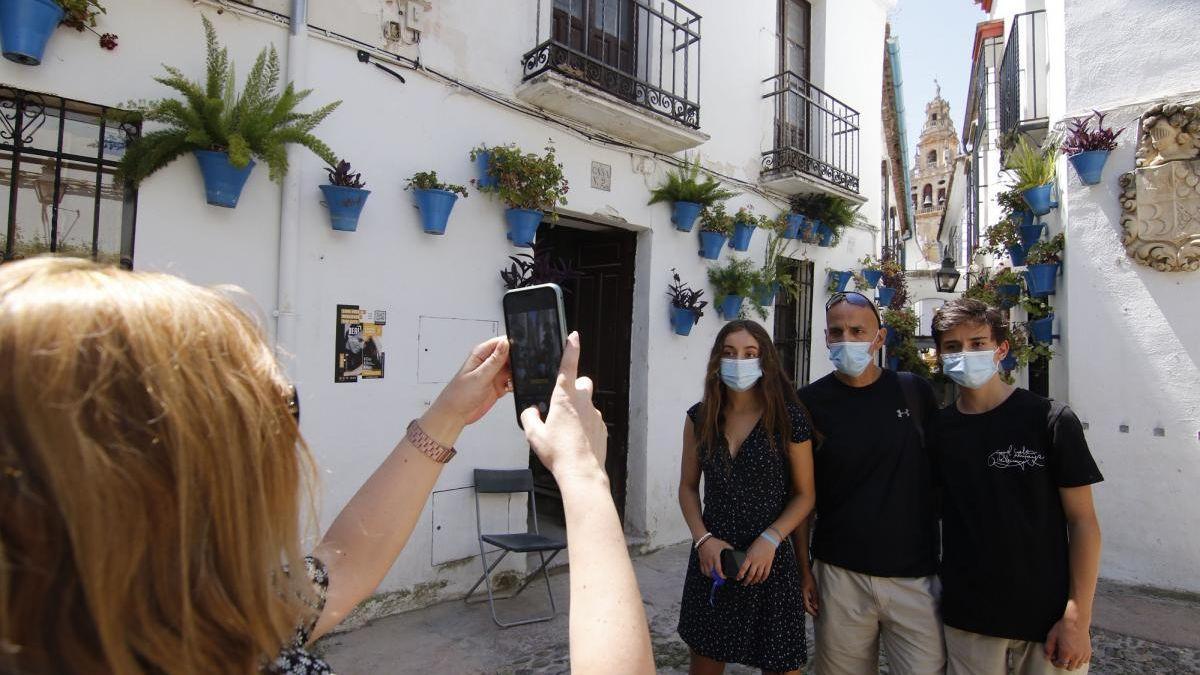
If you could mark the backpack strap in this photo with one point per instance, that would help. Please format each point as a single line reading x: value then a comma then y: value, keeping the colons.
x: 1052, y: 415
x: 916, y: 404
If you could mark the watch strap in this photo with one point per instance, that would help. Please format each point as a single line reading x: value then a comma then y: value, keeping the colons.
x: 428, y: 447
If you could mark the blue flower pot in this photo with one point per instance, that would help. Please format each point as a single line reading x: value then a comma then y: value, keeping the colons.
x: 1026, y: 217
x: 1030, y: 234
x: 1017, y: 253
x: 484, y: 177
x: 893, y: 337
x: 26, y: 27
x: 223, y: 182
x: 1039, y: 199
x: 710, y: 244
x: 1042, y: 330
x: 435, y: 208
x: 795, y: 222
x: 872, y: 277
x: 741, y: 236
x: 684, y: 214
x: 1008, y: 363
x: 731, y: 307
x: 886, y: 295
x: 1089, y: 165
x: 840, y: 279
x: 824, y: 234
x: 1008, y: 295
x: 345, y: 205
x: 893, y: 363
x: 1041, y: 279
x: 682, y: 320
x: 523, y: 225
x: 766, y: 294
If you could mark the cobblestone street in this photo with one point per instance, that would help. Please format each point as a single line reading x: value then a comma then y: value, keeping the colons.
x: 453, y: 638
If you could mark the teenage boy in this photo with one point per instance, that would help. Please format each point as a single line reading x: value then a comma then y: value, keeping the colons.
x: 1020, y: 539
x: 876, y: 539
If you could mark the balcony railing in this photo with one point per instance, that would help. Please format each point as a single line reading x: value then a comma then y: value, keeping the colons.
x: 644, y: 52
x: 1023, y: 101
x: 815, y: 133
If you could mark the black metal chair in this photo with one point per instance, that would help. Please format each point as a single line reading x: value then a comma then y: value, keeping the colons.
x: 504, y: 481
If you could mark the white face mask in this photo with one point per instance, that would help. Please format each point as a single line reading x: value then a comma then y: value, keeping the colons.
x: 970, y: 369
x: 851, y: 358
x: 740, y: 374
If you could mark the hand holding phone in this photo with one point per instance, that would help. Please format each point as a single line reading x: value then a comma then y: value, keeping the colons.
x: 537, y: 331
x: 572, y: 441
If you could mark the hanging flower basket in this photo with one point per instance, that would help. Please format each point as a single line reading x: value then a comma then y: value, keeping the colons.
x: 1089, y: 165
x: 838, y: 280
x: 893, y: 336
x: 825, y: 235
x: 1040, y: 199
x: 1042, y: 330
x: 345, y: 206
x: 682, y: 320
x: 766, y: 294
x: 872, y: 277
x: 223, y: 182
x: 26, y: 27
x: 684, y: 215
x: 1026, y: 217
x: 1017, y: 253
x: 742, y: 232
x: 1030, y: 234
x: 886, y: 295
x: 435, y: 206
x: 711, y: 244
x: 1041, y: 279
x: 1008, y: 363
x: 795, y: 223
x: 731, y: 307
x: 523, y: 225
x: 484, y: 177
x: 1008, y: 295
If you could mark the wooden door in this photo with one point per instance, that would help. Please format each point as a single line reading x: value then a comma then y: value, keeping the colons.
x: 606, y: 26
x: 599, y: 304
x: 795, y: 37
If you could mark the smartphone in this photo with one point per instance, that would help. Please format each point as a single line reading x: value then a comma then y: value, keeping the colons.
x: 537, y: 332
x: 731, y: 562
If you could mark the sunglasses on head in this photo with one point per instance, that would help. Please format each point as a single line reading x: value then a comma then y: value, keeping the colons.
x: 854, y: 298
x: 293, y: 402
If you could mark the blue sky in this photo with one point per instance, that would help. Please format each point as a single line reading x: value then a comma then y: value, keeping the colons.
x: 936, y: 37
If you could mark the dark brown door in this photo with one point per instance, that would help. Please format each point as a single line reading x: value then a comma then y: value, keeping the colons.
x: 599, y: 304
x: 607, y: 27
x: 793, y: 322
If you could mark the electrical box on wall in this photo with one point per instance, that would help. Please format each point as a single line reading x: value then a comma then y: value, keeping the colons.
x: 386, y: 24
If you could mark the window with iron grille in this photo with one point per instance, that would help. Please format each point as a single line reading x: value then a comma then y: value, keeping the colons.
x: 58, y: 190
x: 793, y: 323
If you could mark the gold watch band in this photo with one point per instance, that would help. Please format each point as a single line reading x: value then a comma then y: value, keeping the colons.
x: 429, y: 447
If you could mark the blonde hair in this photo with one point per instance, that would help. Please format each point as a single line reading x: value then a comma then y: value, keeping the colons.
x: 151, y: 477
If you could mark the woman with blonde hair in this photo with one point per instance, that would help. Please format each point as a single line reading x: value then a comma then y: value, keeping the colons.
x: 152, y: 474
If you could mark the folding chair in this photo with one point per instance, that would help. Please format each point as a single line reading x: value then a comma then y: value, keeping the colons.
x: 501, y: 481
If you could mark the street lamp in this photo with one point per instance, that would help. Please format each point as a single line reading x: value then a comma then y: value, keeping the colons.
x: 947, y: 277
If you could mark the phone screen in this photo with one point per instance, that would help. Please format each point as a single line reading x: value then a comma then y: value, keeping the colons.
x: 533, y: 318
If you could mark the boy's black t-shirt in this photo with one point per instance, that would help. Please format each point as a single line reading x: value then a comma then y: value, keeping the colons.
x: 1005, y: 570
x: 874, y: 479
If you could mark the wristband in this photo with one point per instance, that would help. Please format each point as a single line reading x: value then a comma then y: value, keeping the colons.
x: 429, y: 447
x: 701, y: 540
x: 767, y: 535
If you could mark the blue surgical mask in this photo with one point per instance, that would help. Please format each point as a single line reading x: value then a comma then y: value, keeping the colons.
x: 851, y: 358
x: 740, y: 374
x: 970, y: 369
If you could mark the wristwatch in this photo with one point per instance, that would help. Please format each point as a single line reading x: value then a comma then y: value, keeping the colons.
x: 429, y: 447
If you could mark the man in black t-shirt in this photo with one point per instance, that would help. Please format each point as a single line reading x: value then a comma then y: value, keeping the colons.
x: 876, y: 541
x: 1021, y: 542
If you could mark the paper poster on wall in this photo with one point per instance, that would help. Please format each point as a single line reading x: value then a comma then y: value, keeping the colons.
x: 359, y: 344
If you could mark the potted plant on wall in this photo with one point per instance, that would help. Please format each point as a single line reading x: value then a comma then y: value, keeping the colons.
x: 809, y: 211
x: 903, y: 353
x: 744, y: 224
x: 774, y: 276
x: 226, y: 131
x: 732, y: 283
x: 435, y: 199
x: 836, y: 280
x: 1018, y: 341
x: 1007, y: 284
x: 688, y: 195
x: 345, y: 196
x: 686, y: 305
x: 1034, y: 171
x: 481, y: 155
x: 871, y: 270
x: 1041, y: 265
x: 894, y: 289
x: 26, y: 26
x: 1040, y: 319
x: 531, y: 185
x: 715, y: 227
x: 839, y: 213
x: 1003, y: 239
x: 1087, y: 149
x: 983, y: 289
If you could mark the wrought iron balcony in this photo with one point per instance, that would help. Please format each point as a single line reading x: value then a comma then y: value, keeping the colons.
x: 815, y: 134
x: 643, y: 52
x: 1023, y: 99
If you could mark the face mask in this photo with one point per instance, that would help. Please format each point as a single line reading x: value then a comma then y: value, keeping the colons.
x: 970, y: 369
x: 850, y: 358
x: 740, y: 374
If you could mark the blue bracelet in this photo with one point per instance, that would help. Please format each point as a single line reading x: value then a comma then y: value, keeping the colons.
x: 768, y: 537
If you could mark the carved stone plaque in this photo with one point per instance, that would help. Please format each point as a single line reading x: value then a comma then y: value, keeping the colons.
x: 1160, y: 200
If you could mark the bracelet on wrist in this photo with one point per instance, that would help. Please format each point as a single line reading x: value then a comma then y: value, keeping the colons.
x: 770, y: 537
x: 701, y: 540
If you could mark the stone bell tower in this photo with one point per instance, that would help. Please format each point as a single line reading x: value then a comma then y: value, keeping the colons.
x: 937, y: 150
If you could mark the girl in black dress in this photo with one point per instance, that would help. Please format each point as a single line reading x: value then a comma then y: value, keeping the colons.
x: 749, y: 438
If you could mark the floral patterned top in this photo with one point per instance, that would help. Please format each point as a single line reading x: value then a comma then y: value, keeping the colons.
x: 294, y: 660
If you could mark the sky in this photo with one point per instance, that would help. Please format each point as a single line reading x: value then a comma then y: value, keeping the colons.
x: 935, y: 37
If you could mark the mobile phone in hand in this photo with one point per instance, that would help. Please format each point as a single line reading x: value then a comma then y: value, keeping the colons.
x: 537, y: 331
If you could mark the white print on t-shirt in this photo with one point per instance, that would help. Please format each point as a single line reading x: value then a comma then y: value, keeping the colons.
x: 903, y: 412
x: 1012, y: 458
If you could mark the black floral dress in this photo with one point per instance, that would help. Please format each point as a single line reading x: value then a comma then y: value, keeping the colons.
x: 761, y: 626
x: 294, y: 660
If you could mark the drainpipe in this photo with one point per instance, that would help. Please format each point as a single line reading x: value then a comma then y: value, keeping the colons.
x: 289, y: 212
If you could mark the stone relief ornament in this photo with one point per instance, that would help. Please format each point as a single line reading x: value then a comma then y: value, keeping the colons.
x: 1160, y: 199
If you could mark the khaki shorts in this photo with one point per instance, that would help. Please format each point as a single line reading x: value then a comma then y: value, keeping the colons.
x: 975, y: 654
x: 857, y: 610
